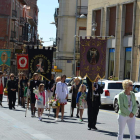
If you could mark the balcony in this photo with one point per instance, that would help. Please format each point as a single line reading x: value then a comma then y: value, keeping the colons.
x: 82, y: 10
x: 20, y: 40
x: 14, y: 15
x: 22, y: 21
x: 13, y: 36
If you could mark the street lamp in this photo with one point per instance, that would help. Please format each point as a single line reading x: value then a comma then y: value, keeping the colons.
x: 52, y: 22
x: 83, y: 16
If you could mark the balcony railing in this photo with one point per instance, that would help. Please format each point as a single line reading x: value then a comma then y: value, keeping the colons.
x: 14, y: 13
x: 82, y: 10
x: 21, y: 39
x: 13, y: 34
x: 22, y: 20
x: 56, y: 12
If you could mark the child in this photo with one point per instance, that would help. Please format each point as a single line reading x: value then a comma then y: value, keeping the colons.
x: 27, y: 93
x: 81, y: 100
x: 40, y: 101
x: 1, y: 87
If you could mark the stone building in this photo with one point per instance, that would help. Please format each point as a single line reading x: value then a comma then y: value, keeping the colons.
x: 68, y: 17
x: 119, y: 19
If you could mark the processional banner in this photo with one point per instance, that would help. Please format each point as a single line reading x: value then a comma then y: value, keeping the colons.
x: 40, y: 61
x: 22, y: 61
x: 92, y: 58
x: 5, y: 60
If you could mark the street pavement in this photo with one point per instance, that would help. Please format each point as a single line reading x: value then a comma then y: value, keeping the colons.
x: 15, y: 126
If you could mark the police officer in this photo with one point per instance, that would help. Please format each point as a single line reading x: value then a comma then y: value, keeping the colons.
x: 93, y: 101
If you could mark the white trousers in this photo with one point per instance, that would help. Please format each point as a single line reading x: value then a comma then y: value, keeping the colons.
x: 48, y: 98
x: 122, y: 121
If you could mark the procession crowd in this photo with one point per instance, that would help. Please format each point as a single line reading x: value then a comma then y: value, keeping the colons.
x: 40, y: 94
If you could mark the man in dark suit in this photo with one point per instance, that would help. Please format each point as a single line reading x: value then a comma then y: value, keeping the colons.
x: 93, y: 101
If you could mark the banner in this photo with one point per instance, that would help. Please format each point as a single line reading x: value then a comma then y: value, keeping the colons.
x: 92, y: 58
x: 40, y: 61
x: 5, y: 60
x: 22, y: 61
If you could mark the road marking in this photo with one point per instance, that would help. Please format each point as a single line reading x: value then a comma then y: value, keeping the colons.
x: 113, y: 113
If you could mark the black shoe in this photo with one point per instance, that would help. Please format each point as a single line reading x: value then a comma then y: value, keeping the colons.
x: 71, y: 115
x: 13, y: 107
x: 89, y: 128
x: 95, y: 128
x: 77, y: 116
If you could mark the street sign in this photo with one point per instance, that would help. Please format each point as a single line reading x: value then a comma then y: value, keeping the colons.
x: 57, y: 70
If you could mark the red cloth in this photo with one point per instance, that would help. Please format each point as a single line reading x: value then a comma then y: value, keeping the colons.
x: 1, y: 87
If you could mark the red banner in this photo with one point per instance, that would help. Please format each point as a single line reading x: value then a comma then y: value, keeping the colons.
x: 22, y: 61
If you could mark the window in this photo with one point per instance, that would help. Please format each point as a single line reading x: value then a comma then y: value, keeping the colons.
x: 129, y: 19
x: 127, y: 63
x: 111, y: 62
x: 98, y: 21
x: 115, y: 86
x: 112, y: 21
x: 136, y: 88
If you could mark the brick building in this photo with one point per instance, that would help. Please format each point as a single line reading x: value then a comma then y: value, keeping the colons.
x: 18, y: 26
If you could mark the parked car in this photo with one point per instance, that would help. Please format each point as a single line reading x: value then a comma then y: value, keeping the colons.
x: 111, y: 88
x: 136, y: 89
x: 72, y: 82
x: 68, y: 80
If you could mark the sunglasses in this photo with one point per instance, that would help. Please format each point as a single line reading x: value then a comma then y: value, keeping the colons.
x: 131, y: 85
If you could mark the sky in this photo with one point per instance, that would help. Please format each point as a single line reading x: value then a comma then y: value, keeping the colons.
x: 46, y: 16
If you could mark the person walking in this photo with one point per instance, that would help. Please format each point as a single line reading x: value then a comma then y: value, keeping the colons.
x: 62, y: 95
x: 12, y: 88
x: 81, y: 100
x: 40, y: 101
x: 1, y: 87
x: 74, y: 90
x: 58, y: 79
x: 23, y: 84
x: 49, y: 92
x: 34, y: 84
x: 127, y: 110
x: 94, y: 91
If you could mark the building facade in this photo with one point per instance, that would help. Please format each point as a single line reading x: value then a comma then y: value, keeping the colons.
x: 67, y: 19
x: 18, y: 27
x: 119, y: 20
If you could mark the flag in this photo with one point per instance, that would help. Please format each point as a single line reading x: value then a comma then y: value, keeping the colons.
x: 40, y: 61
x: 22, y: 61
x: 92, y: 58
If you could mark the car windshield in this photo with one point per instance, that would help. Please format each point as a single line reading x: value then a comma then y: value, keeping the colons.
x: 67, y: 80
x: 136, y: 88
x: 115, y: 86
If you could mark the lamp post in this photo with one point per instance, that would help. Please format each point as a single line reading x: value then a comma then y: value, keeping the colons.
x: 75, y: 38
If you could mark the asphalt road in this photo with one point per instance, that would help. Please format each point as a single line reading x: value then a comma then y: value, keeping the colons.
x: 14, y: 126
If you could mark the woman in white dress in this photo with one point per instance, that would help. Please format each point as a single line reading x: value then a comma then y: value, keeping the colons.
x: 61, y: 94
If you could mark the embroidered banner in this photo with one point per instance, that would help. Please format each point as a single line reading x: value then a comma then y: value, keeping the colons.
x: 22, y: 61
x: 5, y: 60
x: 92, y: 58
x: 40, y: 61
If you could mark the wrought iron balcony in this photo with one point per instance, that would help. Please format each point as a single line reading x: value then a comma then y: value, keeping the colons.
x: 14, y: 14
x: 21, y: 39
x: 13, y: 34
x: 22, y: 21
x: 82, y: 10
